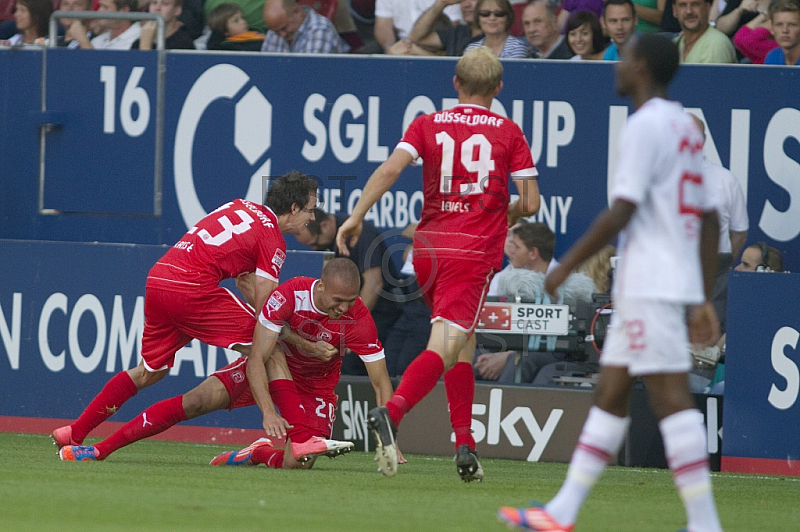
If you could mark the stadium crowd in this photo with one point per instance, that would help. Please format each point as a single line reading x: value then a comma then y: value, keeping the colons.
x: 706, y: 31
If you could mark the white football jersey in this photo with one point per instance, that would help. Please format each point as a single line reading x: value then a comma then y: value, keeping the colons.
x: 660, y: 170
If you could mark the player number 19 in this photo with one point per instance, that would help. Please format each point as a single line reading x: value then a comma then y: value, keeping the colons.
x: 482, y: 166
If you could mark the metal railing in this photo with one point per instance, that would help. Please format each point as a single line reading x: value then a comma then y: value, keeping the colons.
x: 160, y: 82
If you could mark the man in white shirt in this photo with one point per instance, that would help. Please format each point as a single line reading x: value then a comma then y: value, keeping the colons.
x: 733, y: 225
x: 112, y: 34
x: 665, y: 216
x: 395, y: 18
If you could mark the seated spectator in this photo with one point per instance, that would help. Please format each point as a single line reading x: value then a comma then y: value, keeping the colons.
x: 451, y: 40
x: 252, y: 10
x: 495, y: 18
x: 619, y: 23
x: 395, y: 18
x: 528, y: 284
x: 407, y: 47
x: 32, y: 18
x: 66, y: 23
x: 529, y: 246
x: 598, y: 268
x: 785, y: 15
x: 299, y: 29
x: 112, y: 34
x: 384, y: 291
x: 585, y: 36
x: 760, y: 257
x: 754, y: 40
x: 229, y: 30
x: 176, y: 36
x: 708, y: 375
x: 543, y: 32
x: 698, y: 42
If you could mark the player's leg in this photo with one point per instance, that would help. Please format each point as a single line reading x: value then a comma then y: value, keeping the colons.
x: 459, y: 383
x: 682, y: 430
x: 208, y: 396
x: 160, y: 341
x: 320, y: 413
x: 304, y: 442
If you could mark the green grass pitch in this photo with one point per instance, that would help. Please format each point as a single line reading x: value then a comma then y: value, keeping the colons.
x: 154, y: 486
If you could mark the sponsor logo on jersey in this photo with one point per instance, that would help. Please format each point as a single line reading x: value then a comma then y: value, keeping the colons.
x: 276, y: 301
x: 279, y: 258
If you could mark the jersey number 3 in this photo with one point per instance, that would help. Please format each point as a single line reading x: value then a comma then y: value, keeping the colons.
x: 482, y: 166
x: 228, y: 229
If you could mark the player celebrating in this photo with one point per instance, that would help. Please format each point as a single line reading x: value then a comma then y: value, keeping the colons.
x: 183, y: 299
x: 469, y: 155
x: 663, y: 211
x: 327, y: 316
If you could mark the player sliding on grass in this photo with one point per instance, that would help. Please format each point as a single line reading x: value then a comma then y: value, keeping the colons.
x: 469, y: 155
x: 664, y: 213
x: 326, y: 316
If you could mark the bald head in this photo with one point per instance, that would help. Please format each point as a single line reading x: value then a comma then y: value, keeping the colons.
x: 341, y: 272
x: 283, y: 17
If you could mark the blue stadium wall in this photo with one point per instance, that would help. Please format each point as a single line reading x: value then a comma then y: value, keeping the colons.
x: 98, y: 147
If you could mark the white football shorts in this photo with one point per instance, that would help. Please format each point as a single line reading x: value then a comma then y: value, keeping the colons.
x: 648, y: 337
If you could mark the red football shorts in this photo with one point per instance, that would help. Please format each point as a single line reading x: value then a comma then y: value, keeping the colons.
x: 320, y: 411
x: 454, y: 289
x: 173, y: 319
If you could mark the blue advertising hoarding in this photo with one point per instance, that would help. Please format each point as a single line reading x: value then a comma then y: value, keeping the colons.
x: 762, y: 375
x: 232, y: 120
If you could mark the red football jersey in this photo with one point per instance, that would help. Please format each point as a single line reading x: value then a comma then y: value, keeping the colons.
x: 292, y: 303
x: 239, y: 237
x: 469, y: 155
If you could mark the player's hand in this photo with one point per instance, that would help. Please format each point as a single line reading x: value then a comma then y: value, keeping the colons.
x: 348, y: 232
x: 703, y: 325
x: 400, y: 458
x: 274, y: 425
x: 323, y: 350
x: 553, y: 280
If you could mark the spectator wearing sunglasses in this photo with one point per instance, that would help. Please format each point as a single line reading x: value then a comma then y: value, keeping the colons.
x: 495, y: 18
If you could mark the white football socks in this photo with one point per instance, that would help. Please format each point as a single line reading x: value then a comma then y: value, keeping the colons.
x: 600, y: 440
x: 687, y: 455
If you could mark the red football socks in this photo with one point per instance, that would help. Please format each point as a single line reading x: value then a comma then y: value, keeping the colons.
x: 284, y: 395
x: 269, y: 456
x: 459, y: 383
x: 152, y: 421
x: 113, y: 395
x: 418, y: 380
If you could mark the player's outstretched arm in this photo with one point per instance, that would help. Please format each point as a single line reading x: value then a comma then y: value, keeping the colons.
x: 602, y: 231
x: 378, y: 184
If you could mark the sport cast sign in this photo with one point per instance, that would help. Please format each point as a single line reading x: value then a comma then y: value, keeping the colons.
x: 524, y: 318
